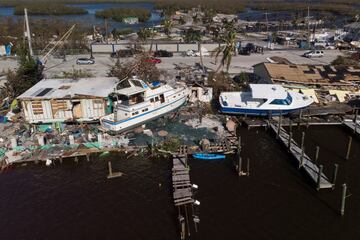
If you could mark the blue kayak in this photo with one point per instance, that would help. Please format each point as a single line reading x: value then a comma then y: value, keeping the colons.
x: 206, y: 156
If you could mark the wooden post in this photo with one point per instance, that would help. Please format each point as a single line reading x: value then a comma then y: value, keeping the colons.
x: 248, y: 167
x: 355, y: 120
x: 302, y: 139
x: 76, y: 159
x: 336, y: 167
x: 319, y: 177
x: 152, y: 147
x: 61, y: 159
x: 88, y: 157
x: 317, y: 154
x: 302, y: 148
x: 279, y: 125
x: 239, y: 166
x: 302, y: 157
x: 343, y: 199
x: 290, y: 126
x: 348, y: 148
x: 289, y: 143
x: 110, y: 168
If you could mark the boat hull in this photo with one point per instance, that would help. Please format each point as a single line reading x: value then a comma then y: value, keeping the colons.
x: 258, y: 112
x: 133, y: 122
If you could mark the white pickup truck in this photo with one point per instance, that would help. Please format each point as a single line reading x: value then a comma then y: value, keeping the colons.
x: 315, y: 53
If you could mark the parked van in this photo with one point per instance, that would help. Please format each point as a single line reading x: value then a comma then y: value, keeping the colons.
x: 315, y: 53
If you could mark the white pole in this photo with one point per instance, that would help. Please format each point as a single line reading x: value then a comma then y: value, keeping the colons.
x: 28, y: 32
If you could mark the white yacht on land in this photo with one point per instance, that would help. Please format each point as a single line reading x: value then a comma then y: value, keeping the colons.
x: 263, y: 100
x: 137, y: 102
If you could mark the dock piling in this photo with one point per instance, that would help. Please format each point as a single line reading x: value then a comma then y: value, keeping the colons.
x: 279, y: 126
x: 319, y: 177
x: 343, y: 199
x: 348, y: 149
x: 302, y: 149
x: 317, y: 154
x: 355, y: 120
x: 290, y: 138
x: 336, y: 167
x: 111, y: 173
x: 248, y: 167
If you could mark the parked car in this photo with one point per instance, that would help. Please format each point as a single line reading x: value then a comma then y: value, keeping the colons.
x: 163, y: 53
x: 315, y: 53
x: 84, y: 61
x: 153, y: 60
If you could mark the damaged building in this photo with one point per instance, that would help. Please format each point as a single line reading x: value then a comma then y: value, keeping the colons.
x: 307, y: 74
x: 68, y: 100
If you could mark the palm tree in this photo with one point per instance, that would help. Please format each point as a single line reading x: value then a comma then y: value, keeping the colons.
x: 168, y: 24
x: 227, y: 50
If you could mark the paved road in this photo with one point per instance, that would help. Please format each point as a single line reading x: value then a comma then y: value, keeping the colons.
x: 239, y: 63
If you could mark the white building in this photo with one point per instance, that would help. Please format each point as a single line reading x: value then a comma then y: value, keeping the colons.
x: 61, y: 100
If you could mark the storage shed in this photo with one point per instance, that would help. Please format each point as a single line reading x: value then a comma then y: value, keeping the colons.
x: 62, y: 100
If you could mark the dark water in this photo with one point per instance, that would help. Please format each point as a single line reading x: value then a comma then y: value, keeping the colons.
x: 275, y: 202
x: 90, y: 17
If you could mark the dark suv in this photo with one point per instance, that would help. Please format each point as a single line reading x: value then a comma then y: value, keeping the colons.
x: 163, y: 53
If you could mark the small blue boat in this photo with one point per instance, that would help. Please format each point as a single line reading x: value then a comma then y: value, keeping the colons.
x: 206, y: 156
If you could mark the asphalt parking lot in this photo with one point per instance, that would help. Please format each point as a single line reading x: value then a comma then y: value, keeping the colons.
x: 103, y: 62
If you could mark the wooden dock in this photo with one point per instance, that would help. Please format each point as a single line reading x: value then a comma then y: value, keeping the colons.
x: 351, y: 124
x: 304, y: 160
x: 183, y: 194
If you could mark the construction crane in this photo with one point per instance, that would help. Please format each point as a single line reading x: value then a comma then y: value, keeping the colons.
x: 57, y: 44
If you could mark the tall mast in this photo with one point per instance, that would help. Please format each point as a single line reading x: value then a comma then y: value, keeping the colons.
x: 28, y: 32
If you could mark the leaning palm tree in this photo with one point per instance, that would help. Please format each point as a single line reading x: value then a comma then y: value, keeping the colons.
x: 227, y: 50
x: 168, y: 24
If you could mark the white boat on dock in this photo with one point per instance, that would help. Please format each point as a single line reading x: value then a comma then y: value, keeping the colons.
x: 263, y: 100
x: 138, y: 102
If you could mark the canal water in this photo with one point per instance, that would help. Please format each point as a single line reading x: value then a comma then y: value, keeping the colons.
x: 76, y: 201
x: 90, y: 19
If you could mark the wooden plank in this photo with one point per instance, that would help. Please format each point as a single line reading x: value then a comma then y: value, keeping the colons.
x: 310, y: 168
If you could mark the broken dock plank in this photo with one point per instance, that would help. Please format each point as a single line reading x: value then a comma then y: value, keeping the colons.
x: 351, y: 124
x: 304, y: 160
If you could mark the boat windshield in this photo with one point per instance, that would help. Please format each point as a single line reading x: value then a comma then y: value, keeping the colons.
x: 286, y: 101
x: 131, y: 100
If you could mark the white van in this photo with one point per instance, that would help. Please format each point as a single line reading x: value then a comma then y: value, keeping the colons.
x: 315, y: 53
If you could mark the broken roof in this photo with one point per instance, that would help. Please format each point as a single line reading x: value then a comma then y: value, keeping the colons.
x: 310, y: 74
x: 69, y: 88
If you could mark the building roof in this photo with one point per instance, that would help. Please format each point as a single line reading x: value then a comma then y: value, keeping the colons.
x: 310, y: 74
x: 69, y: 88
x: 265, y: 91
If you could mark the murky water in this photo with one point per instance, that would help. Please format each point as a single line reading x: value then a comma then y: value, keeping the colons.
x: 76, y: 201
x: 90, y: 17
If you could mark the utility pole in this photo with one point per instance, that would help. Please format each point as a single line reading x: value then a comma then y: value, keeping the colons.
x: 267, y: 22
x: 28, y: 34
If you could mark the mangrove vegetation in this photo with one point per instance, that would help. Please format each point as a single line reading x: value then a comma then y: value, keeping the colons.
x: 48, y: 9
x: 118, y: 14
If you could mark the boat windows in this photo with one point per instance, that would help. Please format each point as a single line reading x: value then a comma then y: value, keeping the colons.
x: 145, y: 110
x: 162, y: 98
x: 152, y: 100
x: 136, y: 83
x: 135, y: 113
x: 286, y: 101
x: 156, y: 99
x: 123, y: 84
x: 136, y: 98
